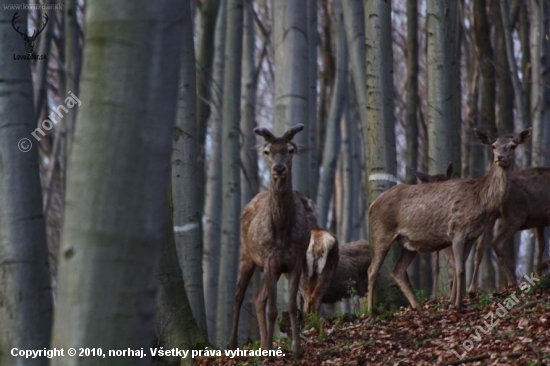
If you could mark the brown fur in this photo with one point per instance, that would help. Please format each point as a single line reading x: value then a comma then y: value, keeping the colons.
x: 432, y: 216
x: 350, y: 273
x: 275, y: 232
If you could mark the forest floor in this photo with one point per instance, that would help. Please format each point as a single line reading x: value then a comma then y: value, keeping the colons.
x: 498, y: 328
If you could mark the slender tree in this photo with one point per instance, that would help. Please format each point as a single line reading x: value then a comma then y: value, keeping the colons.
x: 312, y: 97
x: 381, y: 153
x: 441, y: 63
x: 292, y: 80
x: 213, y: 209
x: 25, y: 290
x: 332, y: 137
x: 231, y: 167
x: 187, y: 209
x: 116, y: 210
x: 540, y: 93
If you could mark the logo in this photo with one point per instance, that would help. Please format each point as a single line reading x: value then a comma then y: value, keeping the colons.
x: 29, y: 40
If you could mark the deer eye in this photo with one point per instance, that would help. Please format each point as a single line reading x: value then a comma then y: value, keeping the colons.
x: 513, y: 147
x: 266, y: 152
x: 494, y: 146
x: 291, y: 150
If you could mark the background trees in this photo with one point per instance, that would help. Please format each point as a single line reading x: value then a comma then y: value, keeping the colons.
x: 384, y: 88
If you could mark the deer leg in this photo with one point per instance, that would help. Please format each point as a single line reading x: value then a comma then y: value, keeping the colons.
x: 381, y: 248
x: 447, y: 254
x: 261, y: 301
x: 245, y: 274
x: 270, y: 280
x: 480, y: 249
x: 294, y: 282
x: 459, y: 245
x: 435, y: 272
x: 539, y: 249
x: 501, y: 246
x: 399, y: 275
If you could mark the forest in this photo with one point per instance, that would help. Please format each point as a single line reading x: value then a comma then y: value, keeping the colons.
x: 245, y: 182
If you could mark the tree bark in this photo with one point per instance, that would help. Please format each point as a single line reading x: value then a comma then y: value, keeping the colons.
x: 231, y: 168
x: 381, y: 153
x: 292, y: 80
x: 312, y: 44
x: 213, y: 209
x: 116, y: 212
x: 185, y: 187
x: 332, y: 136
x: 25, y: 289
x: 441, y: 64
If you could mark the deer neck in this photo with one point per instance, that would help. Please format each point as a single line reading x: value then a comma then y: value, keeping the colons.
x: 281, y: 201
x: 495, y: 187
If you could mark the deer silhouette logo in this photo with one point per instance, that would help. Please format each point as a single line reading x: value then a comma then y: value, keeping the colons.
x: 29, y: 40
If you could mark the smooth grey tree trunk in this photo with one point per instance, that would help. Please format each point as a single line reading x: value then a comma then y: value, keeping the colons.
x: 213, y: 209
x: 540, y: 92
x: 312, y: 44
x: 354, y: 20
x: 441, y: 63
x: 117, y: 179
x: 290, y: 40
x: 185, y: 189
x: 332, y: 136
x: 231, y: 168
x: 250, y: 180
x: 381, y: 153
x: 25, y: 290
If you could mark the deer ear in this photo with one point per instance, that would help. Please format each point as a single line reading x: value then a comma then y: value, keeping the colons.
x: 484, y: 137
x: 289, y: 134
x: 422, y: 177
x: 524, y: 136
x: 449, y: 173
x: 265, y: 133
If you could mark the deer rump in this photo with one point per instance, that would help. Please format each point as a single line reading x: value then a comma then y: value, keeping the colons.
x: 333, y: 272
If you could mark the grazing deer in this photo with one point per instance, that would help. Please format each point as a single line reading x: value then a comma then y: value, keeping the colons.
x: 275, y: 232
x: 429, y: 217
x: 323, y: 257
x: 527, y: 206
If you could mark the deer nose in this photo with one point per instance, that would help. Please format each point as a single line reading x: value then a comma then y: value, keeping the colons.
x: 501, y: 157
x: 279, y: 169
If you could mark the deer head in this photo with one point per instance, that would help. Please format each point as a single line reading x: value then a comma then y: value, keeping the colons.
x: 279, y: 151
x: 503, y: 147
x: 29, y: 40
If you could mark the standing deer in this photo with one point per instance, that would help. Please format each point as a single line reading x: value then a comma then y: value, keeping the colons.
x: 527, y: 206
x: 275, y: 232
x: 429, y: 217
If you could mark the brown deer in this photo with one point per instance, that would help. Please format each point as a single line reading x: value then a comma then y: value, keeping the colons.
x: 527, y: 206
x: 426, y: 178
x: 275, y: 232
x: 429, y: 217
x: 322, y: 259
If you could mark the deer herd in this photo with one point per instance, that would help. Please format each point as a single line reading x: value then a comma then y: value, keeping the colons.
x: 280, y: 233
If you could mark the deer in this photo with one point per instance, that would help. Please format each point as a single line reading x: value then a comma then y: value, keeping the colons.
x: 447, y: 252
x: 526, y: 207
x: 29, y: 40
x: 432, y: 216
x: 275, y: 233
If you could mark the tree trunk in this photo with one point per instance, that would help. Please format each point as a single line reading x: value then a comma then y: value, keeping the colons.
x: 116, y: 212
x: 354, y: 20
x: 231, y: 169
x: 185, y: 191
x: 332, y: 136
x: 381, y: 153
x: 25, y: 289
x: 312, y: 97
x: 213, y: 209
x: 175, y: 323
x: 250, y: 180
x: 292, y: 80
x: 441, y: 64
x: 540, y: 93
x: 205, y: 57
